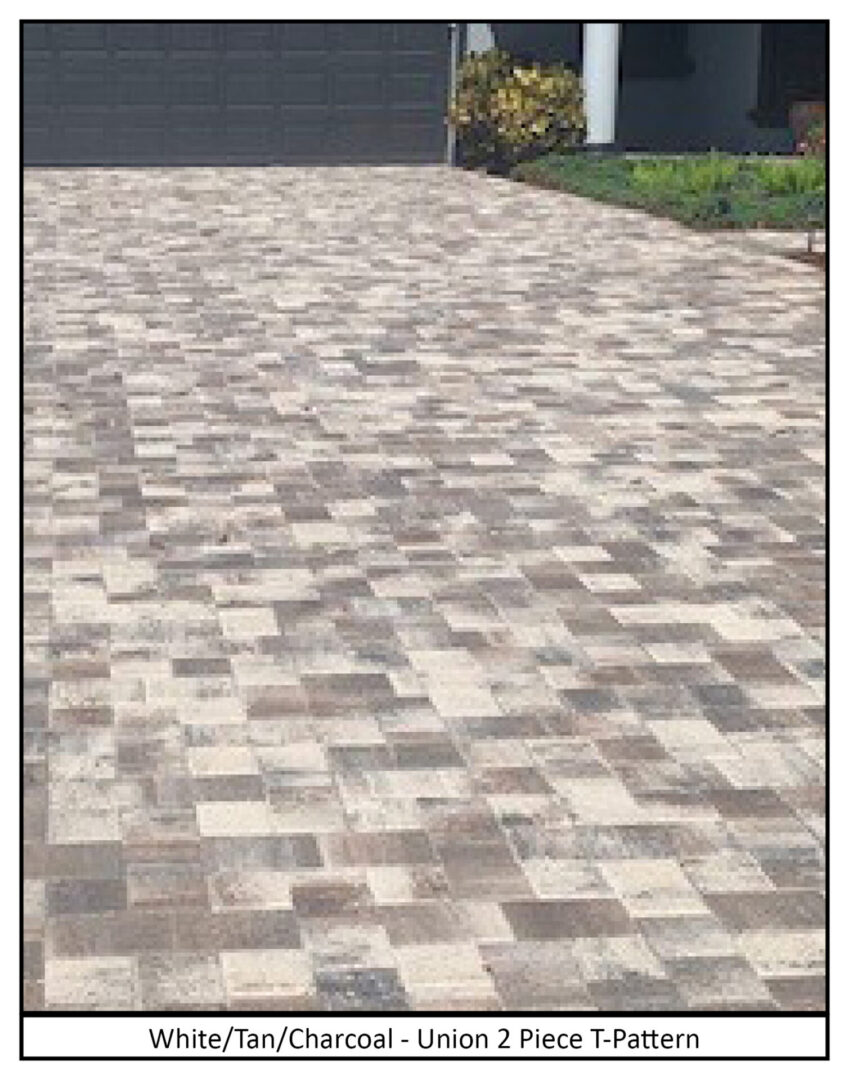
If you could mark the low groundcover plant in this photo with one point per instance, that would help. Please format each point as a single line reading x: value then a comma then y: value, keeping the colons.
x: 709, y: 190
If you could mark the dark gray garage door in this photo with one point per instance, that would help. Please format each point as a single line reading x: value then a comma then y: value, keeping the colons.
x: 136, y: 93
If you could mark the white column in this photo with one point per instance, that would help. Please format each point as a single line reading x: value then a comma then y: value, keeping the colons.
x: 601, y: 81
x: 479, y: 37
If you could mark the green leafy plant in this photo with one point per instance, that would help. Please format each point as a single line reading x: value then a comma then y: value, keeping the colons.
x: 707, y: 191
x: 505, y: 113
x: 695, y: 176
x: 791, y: 177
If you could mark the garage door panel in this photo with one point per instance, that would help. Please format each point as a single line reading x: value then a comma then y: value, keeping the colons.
x: 416, y: 36
x: 418, y: 64
x: 38, y: 135
x: 410, y: 89
x: 197, y: 138
x: 353, y: 115
x: 359, y: 136
x: 306, y: 144
x: 355, y: 37
x: 82, y: 133
x: 249, y: 87
x: 353, y: 89
x: 182, y: 92
x: 199, y: 60
x: 139, y: 35
x: 140, y: 82
x: 133, y: 114
x: 305, y: 116
x: 304, y: 62
x: 139, y: 135
x: 38, y: 82
x: 249, y: 131
x: 305, y: 36
x: 200, y: 116
x: 76, y: 63
x: 71, y: 35
x: 411, y: 114
x: 414, y: 141
x: 140, y: 60
x: 85, y: 84
x: 194, y: 81
x: 35, y: 35
x: 142, y: 90
x: 249, y: 59
x: 305, y: 88
x: 249, y: 36
x: 195, y: 36
x: 365, y: 63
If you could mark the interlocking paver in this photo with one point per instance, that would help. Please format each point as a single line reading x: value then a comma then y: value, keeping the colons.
x: 423, y: 599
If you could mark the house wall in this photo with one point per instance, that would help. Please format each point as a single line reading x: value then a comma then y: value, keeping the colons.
x: 707, y: 108
x: 656, y: 114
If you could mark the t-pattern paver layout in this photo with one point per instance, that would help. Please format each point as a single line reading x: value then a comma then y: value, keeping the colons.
x: 424, y: 599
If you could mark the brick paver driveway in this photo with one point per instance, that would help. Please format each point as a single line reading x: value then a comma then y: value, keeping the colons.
x: 424, y: 599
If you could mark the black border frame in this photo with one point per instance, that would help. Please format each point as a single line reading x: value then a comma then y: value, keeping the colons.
x: 259, y: 1014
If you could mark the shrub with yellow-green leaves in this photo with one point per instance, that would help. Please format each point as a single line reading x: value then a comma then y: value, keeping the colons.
x: 505, y: 112
x: 471, y: 111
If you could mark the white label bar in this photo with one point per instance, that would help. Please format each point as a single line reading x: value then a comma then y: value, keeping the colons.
x: 292, y: 1036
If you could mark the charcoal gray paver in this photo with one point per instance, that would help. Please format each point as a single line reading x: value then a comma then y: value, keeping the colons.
x: 423, y: 599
